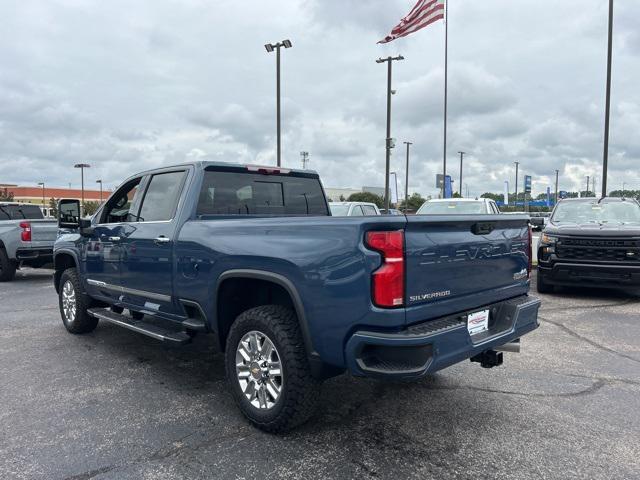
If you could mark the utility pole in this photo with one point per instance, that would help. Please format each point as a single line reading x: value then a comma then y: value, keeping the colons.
x: 406, y: 180
x: 305, y: 159
x: 605, y: 155
x: 82, y: 166
x: 460, y: 186
x: 270, y: 48
x: 587, y: 192
x: 556, y: 202
x: 100, y: 182
x: 388, y: 141
x: 41, y: 184
x: 516, y: 203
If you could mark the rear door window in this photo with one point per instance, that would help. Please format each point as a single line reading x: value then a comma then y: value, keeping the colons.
x: 20, y: 212
x: 240, y: 193
x: 369, y: 210
x: 356, y: 211
x: 162, y: 195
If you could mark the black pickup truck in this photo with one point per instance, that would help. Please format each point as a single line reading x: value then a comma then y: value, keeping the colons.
x: 591, y: 242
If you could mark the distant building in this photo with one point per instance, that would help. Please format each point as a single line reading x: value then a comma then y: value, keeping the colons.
x: 35, y: 195
x: 376, y: 190
x: 335, y: 194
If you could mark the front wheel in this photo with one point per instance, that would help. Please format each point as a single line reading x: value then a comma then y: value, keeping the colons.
x: 74, y: 303
x: 542, y: 286
x: 268, y: 369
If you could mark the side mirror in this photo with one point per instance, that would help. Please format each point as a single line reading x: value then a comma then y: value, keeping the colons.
x: 69, y: 213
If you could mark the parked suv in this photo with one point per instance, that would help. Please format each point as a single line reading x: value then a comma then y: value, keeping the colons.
x: 292, y: 295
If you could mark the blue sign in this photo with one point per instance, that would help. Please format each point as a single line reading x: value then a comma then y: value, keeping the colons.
x: 527, y: 183
x: 448, y: 191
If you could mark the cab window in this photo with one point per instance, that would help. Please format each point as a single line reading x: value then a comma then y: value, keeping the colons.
x: 118, y: 208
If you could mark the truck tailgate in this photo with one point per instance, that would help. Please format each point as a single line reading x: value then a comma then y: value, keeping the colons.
x: 458, y: 263
x: 43, y: 232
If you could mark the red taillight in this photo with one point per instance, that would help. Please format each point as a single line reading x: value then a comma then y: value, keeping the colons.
x: 25, y: 235
x: 529, y: 265
x: 388, y: 280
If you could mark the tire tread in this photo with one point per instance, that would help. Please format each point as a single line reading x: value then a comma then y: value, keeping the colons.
x: 301, y: 389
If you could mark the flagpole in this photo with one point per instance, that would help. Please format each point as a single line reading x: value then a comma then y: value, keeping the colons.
x: 444, y: 147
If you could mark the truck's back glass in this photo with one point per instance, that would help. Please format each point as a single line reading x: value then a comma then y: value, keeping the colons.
x: 20, y: 212
x: 245, y: 193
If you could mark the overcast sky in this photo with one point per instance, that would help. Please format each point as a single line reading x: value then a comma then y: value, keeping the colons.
x: 127, y: 86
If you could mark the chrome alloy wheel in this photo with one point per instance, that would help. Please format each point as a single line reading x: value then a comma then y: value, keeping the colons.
x: 69, y: 301
x: 258, y: 370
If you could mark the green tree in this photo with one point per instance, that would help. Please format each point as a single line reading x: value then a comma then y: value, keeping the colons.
x: 6, y: 195
x: 415, y: 202
x: 53, y: 206
x: 90, y: 208
x: 367, y: 197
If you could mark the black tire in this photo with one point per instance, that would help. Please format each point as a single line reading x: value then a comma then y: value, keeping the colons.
x: 299, y: 390
x: 136, y: 315
x: 117, y: 309
x: 80, y: 321
x: 7, y: 267
x: 542, y: 286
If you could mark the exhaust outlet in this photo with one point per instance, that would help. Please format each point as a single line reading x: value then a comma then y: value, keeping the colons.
x: 513, y: 347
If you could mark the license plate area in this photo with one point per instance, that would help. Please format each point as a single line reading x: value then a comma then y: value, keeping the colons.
x: 478, y: 322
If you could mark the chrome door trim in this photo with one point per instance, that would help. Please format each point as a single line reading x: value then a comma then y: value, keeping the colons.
x: 132, y: 291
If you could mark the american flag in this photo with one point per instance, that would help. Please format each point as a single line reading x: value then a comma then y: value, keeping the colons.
x: 424, y: 13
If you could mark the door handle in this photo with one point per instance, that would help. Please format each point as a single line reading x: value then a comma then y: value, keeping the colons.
x: 162, y: 239
x: 114, y: 239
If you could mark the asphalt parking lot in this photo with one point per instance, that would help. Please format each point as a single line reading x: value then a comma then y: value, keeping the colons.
x: 116, y: 405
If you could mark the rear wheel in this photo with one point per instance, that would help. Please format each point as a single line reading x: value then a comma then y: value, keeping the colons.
x: 268, y: 369
x: 7, y: 267
x: 542, y: 286
x: 74, y: 303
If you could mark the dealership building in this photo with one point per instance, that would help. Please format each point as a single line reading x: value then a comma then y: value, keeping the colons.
x: 42, y: 195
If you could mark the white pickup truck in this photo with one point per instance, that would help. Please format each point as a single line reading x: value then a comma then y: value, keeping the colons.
x: 26, y: 238
x: 461, y: 206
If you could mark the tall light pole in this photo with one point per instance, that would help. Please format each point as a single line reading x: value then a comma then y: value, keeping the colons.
x: 607, y: 108
x: 587, y: 192
x: 270, y: 47
x: 623, y: 189
x: 516, y: 203
x: 41, y: 184
x: 388, y: 141
x: 305, y: 159
x: 556, y: 197
x: 100, y: 182
x: 460, y: 186
x: 406, y: 179
x: 82, y: 166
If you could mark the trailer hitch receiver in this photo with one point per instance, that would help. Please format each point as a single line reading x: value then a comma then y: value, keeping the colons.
x: 488, y: 359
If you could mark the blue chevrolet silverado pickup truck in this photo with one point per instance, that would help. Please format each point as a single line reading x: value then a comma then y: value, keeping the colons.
x: 292, y: 295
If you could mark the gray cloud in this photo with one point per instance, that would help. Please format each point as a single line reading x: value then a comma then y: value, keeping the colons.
x: 131, y: 86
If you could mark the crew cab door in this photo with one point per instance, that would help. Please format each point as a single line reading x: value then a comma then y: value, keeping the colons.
x: 147, y: 266
x: 101, y: 249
